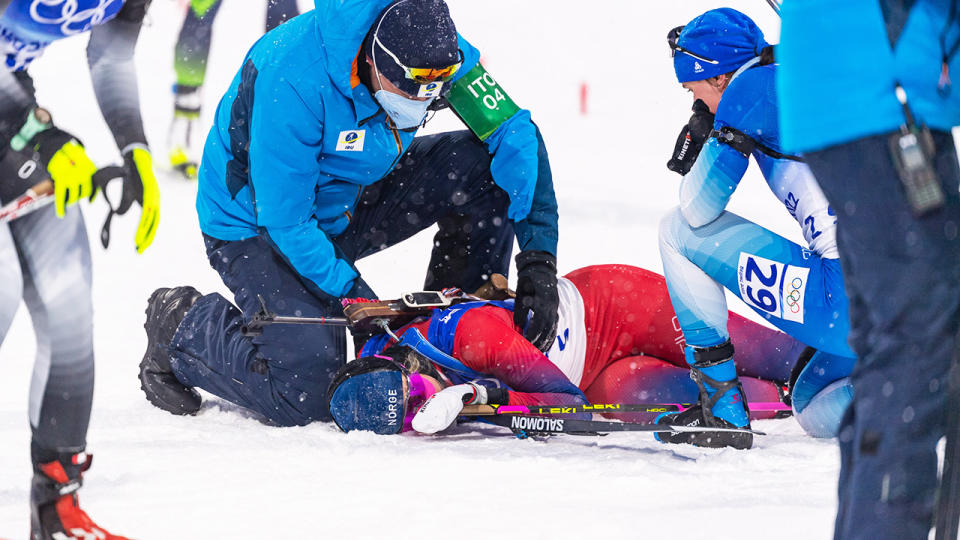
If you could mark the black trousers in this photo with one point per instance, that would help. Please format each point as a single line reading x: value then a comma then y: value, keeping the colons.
x: 902, y: 275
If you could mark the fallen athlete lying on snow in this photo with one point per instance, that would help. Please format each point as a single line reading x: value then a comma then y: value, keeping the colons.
x: 618, y: 342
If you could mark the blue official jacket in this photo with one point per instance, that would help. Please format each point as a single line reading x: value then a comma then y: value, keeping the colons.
x: 838, y: 71
x: 297, y: 137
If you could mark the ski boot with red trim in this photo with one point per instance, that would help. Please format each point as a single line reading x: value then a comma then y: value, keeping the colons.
x: 55, y: 512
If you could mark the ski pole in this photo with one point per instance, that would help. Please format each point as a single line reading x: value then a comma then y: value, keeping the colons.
x: 38, y: 196
x: 775, y: 4
x: 265, y: 317
x: 42, y: 194
x: 524, y: 426
x: 488, y: 410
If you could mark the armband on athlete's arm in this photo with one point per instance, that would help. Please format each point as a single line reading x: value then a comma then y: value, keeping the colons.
x: 480, y: 102
x: 745, y: 144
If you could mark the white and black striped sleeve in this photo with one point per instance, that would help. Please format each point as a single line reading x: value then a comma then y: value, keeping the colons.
x: 110, y: 57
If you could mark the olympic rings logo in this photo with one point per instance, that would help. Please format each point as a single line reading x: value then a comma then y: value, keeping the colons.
x: 72, y: 19
x: 793, y: 298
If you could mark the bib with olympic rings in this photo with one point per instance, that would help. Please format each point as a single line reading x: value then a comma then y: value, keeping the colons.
x: 28, y: 26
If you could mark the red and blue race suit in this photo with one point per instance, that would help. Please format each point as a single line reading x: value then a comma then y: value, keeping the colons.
x: 627, y: 331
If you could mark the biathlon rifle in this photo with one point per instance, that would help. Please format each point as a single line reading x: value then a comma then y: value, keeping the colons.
x: 365, y: 316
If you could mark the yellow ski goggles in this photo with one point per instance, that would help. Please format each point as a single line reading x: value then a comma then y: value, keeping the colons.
x: 422, y: 75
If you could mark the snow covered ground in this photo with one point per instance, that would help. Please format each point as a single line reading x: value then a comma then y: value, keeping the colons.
x: 223, y: 474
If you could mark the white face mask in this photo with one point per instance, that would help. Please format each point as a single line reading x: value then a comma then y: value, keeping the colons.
x: 406, y: 113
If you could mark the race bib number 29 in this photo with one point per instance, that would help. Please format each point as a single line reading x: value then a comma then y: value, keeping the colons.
x: 774, y: 288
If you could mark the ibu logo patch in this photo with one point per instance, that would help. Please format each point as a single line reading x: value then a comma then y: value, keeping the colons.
x: 697, y: 68
x: 431, y: 89
x: 351, y: 140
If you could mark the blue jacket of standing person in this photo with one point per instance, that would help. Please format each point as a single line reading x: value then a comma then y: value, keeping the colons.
x: 817, y: 71
x: 297, y: 137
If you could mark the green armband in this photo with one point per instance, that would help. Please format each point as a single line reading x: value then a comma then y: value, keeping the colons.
x: 480, y: 102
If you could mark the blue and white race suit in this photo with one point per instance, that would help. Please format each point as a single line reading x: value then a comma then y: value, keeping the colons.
x: 799, y: 289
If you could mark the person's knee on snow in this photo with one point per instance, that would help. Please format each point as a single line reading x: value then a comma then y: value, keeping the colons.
x: 233, y: 368
x: 821, y: 391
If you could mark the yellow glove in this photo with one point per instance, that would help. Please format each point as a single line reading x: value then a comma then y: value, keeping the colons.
x: 140, y: 185
x: 71, y: 171
x: 63, y: 155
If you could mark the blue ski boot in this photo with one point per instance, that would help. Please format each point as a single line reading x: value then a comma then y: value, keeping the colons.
x: 722, y: 402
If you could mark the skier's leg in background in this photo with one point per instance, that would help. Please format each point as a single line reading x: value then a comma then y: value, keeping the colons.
x: 55, y: 257
x: 279, y: 12
x: 442, y: 179
x: 190, y: 64
x: 193, y: 43
x: 54, y: 254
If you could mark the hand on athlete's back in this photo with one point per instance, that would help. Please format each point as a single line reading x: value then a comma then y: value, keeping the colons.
x: 537, y: 294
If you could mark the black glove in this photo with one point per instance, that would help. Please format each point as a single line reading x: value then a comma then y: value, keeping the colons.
x: 691, y: 139
x: 139, y: 186
x: 537, y: 292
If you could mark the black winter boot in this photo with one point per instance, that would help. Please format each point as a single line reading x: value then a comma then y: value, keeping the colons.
x: 165, y: 309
